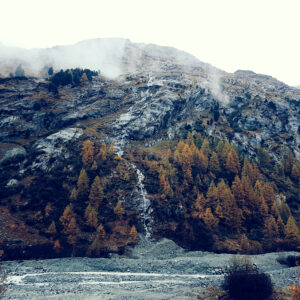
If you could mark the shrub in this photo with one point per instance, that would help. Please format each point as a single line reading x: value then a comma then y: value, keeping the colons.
x: 290, y: 260
x: 244, y: 281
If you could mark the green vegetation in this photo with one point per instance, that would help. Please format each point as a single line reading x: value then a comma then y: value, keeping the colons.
x: 73, y: 77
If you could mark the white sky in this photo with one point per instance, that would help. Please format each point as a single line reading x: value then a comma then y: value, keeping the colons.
x: 261, y: 35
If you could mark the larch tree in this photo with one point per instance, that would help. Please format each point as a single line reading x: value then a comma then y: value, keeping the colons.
x: 270, y: 233
x: 48, y: 210
x: 205, y: 149
x: 56, y: 246
x: 94, y: 165
x: 295, y: 173
x: 119, y: 210
x: 71, y: 231
x: 82, y: 186
x: 101, y: 232
x: 73, y: 196
x: 209, y: 219
x: 133, y: 234
x: 231, y: 214
x: 212, y: 196
x: 96, y: 193
x: 88, y: 153
x: 92, y: 218
x: 238, y: 192
x: 199, y: 206
x: 214, y: 165
x: 68, y: 214
x: 165, y: 187
x: 245, y: 244
x: 102, y: 154
x: 52, y: 228
x: 292, y: 232
x: 269, y: 194
x: 232, y: 162
x: 84, y: 79
x: 95, y: 248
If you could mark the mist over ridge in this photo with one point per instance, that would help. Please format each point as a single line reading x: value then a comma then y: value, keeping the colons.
x: 113, y: 56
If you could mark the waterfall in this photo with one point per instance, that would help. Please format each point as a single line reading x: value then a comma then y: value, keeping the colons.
x: 145, y: 204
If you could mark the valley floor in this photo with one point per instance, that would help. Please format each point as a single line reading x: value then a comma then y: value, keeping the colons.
x: 152, y: 270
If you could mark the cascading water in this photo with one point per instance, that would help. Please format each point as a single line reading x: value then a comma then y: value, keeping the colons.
x: 120, y: 142
x: 145, y: 204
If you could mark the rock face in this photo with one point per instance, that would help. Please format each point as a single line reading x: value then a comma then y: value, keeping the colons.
x: 158, y: 96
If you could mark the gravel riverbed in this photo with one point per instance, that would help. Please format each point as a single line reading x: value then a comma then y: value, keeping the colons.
x: 152, y: 270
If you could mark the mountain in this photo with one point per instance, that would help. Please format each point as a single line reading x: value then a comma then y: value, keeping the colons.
x: 158, y: 143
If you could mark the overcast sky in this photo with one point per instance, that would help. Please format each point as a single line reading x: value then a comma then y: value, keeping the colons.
x: 260, y: 35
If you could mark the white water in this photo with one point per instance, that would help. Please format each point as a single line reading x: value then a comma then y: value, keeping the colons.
x: 145, y: 203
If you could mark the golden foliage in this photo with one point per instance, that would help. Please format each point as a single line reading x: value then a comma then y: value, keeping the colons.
x: 101, y: 232
x: 295, y: 291
x: 133, y: 234
x: 82, y: 184
x: 209, y: 219
x: 52, y: 228
x: 56, y: 246
x: 96, y: 193
x: 87, y: 153
x: 119, y: 210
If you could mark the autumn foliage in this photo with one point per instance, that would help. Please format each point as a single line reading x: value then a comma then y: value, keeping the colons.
x: 214, y: 185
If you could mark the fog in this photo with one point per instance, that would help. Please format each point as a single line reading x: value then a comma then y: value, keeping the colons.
x: 100, y: 54
x: 111, y: 56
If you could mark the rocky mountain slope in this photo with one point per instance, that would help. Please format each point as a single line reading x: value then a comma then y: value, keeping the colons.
x: 160, y: 95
